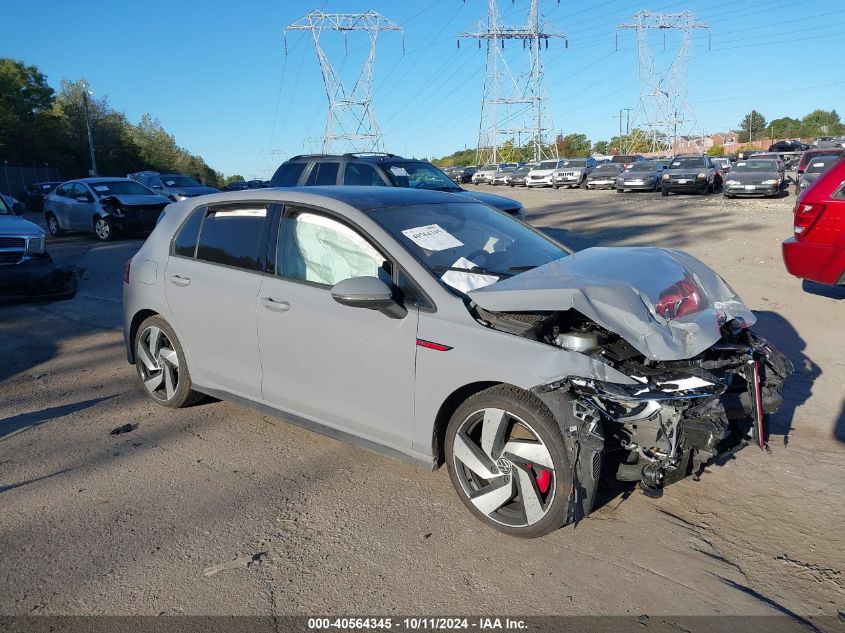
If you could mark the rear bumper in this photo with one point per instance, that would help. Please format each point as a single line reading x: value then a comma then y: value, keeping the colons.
x: 36, y: 278
x: 816, y: 262
x: 646, y: 186
x: 601, y: 184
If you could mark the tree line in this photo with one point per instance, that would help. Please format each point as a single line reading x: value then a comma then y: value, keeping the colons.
x: 39, y: 126
x: 753, y: 125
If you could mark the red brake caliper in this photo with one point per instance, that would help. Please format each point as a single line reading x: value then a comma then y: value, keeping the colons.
x: 544, y: 478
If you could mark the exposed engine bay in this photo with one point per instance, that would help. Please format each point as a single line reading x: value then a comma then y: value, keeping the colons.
x: 677, y: 417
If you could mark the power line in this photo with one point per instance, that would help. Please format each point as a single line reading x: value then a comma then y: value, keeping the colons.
x: 351, y: 120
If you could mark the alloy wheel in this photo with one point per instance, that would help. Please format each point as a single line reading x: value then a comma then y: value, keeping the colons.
x: 53, y: 225
x: 504, y: 468
x: 159, y: 363
x: 102, y: 229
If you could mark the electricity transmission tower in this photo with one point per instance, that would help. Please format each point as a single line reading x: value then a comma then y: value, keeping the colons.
x: 513, y: 107
x: 663, y: 112
x: 351, y: 124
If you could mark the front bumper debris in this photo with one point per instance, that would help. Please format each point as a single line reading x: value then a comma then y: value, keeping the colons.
x: 37, y: 278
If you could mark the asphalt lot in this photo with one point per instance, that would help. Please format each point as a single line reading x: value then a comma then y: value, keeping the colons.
x: 135, y: 523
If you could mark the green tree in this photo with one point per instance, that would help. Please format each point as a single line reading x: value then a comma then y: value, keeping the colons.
x: 25, y: 118
x: 716, y: 150
x: 784, y: 127
x: 756, y: 123
x: 820, y: 123
x: 600, y: 147
x: 573, y: 145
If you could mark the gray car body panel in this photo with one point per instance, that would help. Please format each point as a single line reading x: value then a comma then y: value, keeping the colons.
x: 428, y: 376
x: 618, y: 289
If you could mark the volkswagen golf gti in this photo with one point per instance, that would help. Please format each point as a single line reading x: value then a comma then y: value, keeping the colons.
x: 433, y: 327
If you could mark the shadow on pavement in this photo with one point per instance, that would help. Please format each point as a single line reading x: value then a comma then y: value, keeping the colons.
x: 823, y: 290
x: 799, y: 386
x: 32, y: 481
x: 15, y: 423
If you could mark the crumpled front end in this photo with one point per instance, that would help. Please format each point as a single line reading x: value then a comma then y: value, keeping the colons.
x: 678, y: 417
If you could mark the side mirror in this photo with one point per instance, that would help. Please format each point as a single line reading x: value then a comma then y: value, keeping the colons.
x: 367, y: 292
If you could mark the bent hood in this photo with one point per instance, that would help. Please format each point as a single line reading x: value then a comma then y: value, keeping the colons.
x: 666, y: 303
x: 497, y: 202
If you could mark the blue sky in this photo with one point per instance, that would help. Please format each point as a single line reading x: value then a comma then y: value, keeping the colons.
x: 217, y: 76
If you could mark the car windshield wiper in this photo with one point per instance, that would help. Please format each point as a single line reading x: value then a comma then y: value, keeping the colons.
x: 475, y: 270
x: 520, y: 269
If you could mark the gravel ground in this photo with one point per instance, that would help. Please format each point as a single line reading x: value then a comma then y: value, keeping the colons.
x: 219, y: 510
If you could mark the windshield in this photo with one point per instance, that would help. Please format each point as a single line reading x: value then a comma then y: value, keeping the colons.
x: 686, y: 163
x: 179, y: 181
x: 548, y: 164
x: 756, y: 165
x: 464, y: 235
x: 489, y: 168
x: 577, y: 162
x: 643, y: 166
x: 120, y: 188
x: 419, y: 176
x: 820, y: 164
x: 4, y: 208
x: 607, y: 168
x: 524, y: 170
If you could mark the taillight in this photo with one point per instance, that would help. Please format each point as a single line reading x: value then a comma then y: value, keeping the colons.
x: 806, y: 215
x: 126, y: 268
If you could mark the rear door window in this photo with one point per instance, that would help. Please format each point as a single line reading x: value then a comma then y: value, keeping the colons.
x: 233, y: 235
x: 322, y: 174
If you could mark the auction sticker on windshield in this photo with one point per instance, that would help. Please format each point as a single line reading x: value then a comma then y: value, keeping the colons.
x: 432, y: 237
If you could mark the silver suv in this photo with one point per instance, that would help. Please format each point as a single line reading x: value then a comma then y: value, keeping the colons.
x: 432, y: 327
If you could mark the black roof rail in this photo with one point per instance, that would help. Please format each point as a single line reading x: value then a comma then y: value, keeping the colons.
x: 386, y: 154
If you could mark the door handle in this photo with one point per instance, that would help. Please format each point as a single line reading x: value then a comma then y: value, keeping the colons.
x: 274, y: 304
x: 179, y: 280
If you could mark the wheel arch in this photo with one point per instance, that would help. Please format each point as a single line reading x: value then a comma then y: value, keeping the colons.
x: 444, y: 414
x: 137, y: 319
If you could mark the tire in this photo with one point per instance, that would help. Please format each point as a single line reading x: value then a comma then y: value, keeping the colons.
x: 618, y: 190
x: 520, y: 421
x: 664, y: 191
x: 554, y: 187
x: 104, y: 229
x: 160, y: 362
x: 53, y: 225
x: 728, y: 196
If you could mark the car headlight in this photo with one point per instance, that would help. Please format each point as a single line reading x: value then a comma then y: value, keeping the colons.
x: 770, y: 182
x: 665, y: 176
x: 804, y: 183
x: 701, y: 176
x: 35, y: 245
x: 731, y: 182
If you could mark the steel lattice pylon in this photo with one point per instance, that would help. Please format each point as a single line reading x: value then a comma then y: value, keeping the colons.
x: 663, y: 112
x: 351, y: 120
x: 513, y: 107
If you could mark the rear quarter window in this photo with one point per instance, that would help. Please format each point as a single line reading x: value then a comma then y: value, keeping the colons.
x: 185, y: 242
x: 288, y: 175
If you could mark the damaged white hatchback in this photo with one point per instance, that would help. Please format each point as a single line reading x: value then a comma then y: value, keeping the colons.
x: 427, y: 326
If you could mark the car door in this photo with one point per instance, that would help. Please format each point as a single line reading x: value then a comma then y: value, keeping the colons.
x: 211, y: 285
x: 82, y: 207
x: 56, y: 203
x: 351, y: 369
